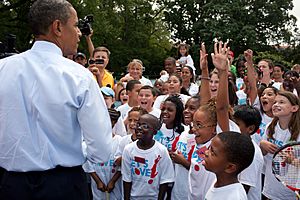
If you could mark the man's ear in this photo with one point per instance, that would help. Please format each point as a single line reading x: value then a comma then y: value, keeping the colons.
x: 231, y: 168
x: 56, y: 27
x: 250, y: 128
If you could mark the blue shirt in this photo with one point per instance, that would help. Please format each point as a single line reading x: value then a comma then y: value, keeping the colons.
x: 47, y: 103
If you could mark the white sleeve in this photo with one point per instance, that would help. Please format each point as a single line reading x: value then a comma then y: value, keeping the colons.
x: 95, y: 124
x: 190, y: 62
x: 119, y: 128
x: 88, y: 167
x: 121, y: 147
x: 167, y: 169
x: 158, y: 101
x: 125, y: 167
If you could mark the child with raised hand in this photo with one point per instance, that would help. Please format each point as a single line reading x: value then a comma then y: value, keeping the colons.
x: 146, y: 165
x: 133, y: 117
x: 105, y: 176
x: 229, y: 154
x: 264, y: 102
x: 249, y: 119
x: 184, y: 149
x: 211, y: 118
x: 146, y: 98
x: 283, y: 129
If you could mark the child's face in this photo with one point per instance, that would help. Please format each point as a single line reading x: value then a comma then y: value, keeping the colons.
x: 165, y: 88
x: 215, y: 159
x: 202, y: 128
x: 182, y: 50
x: 158, y: 84
x: 145, y: 99
x: 133, y: 118
x: 123, y: 97
x: 277, y: 73
x: 134, y: 92
x: 267, y: 99
x: 135, y: 71
x: 174, y: 85
x: 108, y: 100
x: 214, y: 85
x: 191, y: 107
x: 244, y: 129
x: 145, y: 129
x: 283, y: 107
x: 168, y: 113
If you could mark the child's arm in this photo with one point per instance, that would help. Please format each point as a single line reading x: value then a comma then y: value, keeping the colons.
x: 113, y: 180
x: 267, y: 147
x: 204, y: 89
x: 127, y: 189
x: 252, y: 89
x: 179, y: 159
x: 221, y: 63
x: 100, y: 184
x: 162, y: 191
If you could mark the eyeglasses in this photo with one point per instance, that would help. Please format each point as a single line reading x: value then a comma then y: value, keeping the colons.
x: 196, y: 125
x: 145, y: 127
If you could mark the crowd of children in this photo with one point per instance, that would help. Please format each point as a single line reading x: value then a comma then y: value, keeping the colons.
x: 189, y: 142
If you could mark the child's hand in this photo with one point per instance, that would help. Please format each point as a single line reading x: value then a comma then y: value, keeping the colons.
x: 177, y: 157
x: 101, y: 186
x: 110, y: 186
x: 220, y: 57
x: 248, y: 55
x: 203, y: 57
x: 268, y: 146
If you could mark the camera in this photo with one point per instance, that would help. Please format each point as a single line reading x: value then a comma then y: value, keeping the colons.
x: 97, y: 61
x: 85, y: 24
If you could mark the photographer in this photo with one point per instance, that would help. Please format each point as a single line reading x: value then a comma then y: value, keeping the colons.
x: 97, y: 65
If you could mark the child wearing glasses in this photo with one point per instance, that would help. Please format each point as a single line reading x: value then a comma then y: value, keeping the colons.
x: 210, y: 119
x: 146, y: 166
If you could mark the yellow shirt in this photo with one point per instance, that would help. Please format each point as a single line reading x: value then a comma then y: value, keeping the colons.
x: 107, y: 79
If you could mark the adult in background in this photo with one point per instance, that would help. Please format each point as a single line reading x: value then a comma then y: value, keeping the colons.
x: 48, y: 104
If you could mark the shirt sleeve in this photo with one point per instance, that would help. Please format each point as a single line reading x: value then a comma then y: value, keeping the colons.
x: 125, y: 167
x: 88, y: 167
x: 95, y: 123
x: 167, y: 169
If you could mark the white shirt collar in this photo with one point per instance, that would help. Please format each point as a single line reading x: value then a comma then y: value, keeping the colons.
x: 46, y: 46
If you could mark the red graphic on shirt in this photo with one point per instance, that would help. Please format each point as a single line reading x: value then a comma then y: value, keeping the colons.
x: 137, y: 171
x: 174, y: 144
x: 153, y: 169
x: 201, y: 152
x: 197, y: 168
x: 191, y: 153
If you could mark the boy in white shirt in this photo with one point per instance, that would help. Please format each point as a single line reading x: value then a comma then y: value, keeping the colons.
x: 229, y: 154
x: 146, y: 165
x: 248, y: 118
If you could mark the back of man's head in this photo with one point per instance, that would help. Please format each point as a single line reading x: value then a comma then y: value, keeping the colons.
x: 130, y: 85
x: 44, y: 12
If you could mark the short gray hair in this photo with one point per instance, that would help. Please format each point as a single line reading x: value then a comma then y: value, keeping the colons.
x: 43, y: 12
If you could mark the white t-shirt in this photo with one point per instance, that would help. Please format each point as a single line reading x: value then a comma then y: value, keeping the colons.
x: 127, y: 139
x: 146, y: 170
x: 124, y: 109
x: 185, y: 146
x: 119, y: 128
x: 239, y: 83
x: 105, y: 172
x: 232, y: 127
x: 233, y: 191
x: 156, y: 112
x: 199, y: 178
x: 167, y: 137
x: 145, y: 81
x: 187, y: 60
x: 251, y: 176
x: 160, y: 99
x: 193, y: 89
x: 273, y: 189
x: 242, y: 97
x: 258, y: 136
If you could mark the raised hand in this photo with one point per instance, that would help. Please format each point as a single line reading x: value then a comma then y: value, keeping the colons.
x: 248, y: 55
x: 203, y: 57
x: 220, y: 56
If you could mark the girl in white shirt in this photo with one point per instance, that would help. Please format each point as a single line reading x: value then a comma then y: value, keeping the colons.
x: 184, y: 57
x: 284, y: 128
x: 188, y: 81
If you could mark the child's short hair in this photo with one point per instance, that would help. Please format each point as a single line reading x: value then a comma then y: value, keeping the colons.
x: 157, y: 123
x: 238, y: 149
x: 142, y: 111
x: 130, y: 85
x: 114, y: 114
x: 148, y: 87
x: 249, y: 115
